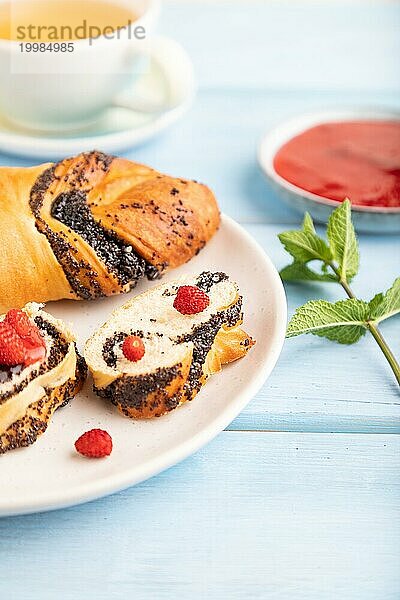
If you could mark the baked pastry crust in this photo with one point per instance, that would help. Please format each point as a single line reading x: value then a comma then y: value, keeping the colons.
x: 93, y: 225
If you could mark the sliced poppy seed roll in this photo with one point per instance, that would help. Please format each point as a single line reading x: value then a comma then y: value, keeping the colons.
x: 30, y: 393
x: 180, y: 350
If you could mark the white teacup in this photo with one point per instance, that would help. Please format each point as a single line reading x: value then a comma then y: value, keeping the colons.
x: 69, y: 90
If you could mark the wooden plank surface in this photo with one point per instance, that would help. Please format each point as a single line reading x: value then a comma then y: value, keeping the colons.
x: 290, y: 45
x: 252, y: 516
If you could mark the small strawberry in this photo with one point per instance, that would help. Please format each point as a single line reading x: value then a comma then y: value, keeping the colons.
x: 26, y: 330
x: 34, y: 353
x: 191, y: 300
x: 95, y: 443
x: 21, y: 342
x: 12, y: 350
x: 133, y: 348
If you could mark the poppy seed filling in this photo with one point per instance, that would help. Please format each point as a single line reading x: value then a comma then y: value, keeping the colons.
x: 71, y: 209
x: 133, y: 392
x: 206, y: 280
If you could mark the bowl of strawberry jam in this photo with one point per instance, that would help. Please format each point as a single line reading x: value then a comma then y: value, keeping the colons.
x: 316, y: 161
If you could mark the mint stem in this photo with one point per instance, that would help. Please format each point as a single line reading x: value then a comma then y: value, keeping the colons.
x: 346, y: 288
x: 385, y: 349
x: 378, y: 337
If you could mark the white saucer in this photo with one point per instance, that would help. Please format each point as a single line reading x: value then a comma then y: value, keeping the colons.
x: 50, y: 474
x: 120, y: 128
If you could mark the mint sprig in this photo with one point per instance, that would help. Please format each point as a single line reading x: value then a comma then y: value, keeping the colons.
x: 298, y: 271
x: 386, y: 305
x: 343, y: 242
x: 348, y: 320
x: 343, y: 321
x: 305, y: 245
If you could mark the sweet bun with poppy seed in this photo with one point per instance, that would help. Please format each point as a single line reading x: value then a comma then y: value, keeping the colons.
x: 31, y: 390
x: 93, y: 225
x: 172, y: 353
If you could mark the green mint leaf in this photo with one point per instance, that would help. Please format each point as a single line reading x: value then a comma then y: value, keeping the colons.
x: 343, y: 242
x: 298, y: 271
x: 386, y: 305
x: 308, y: 224
x: 343, y: 321
x: 305, y: 245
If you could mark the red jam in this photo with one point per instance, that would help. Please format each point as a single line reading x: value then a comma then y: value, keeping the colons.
x: 359, y: 160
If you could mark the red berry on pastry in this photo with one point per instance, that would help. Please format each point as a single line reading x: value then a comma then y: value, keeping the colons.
x: 191, y: 300
x: 21, y: 342
x: 95, y: 443
x: 133, y: 348
x: 12, y: 350
x: 19, y: 321
x: 26, y: 330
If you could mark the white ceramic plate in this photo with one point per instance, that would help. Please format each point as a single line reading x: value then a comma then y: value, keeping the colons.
x: 369, y: 219
x: 50, y: 474
x: 119, y: 128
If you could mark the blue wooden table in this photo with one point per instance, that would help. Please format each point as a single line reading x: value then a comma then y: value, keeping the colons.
x: 299, y: 498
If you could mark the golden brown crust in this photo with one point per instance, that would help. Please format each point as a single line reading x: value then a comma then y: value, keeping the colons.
x: 26, y: 430
x: 231, y: 344
x: 29, y: 270
x: 165, y: 220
